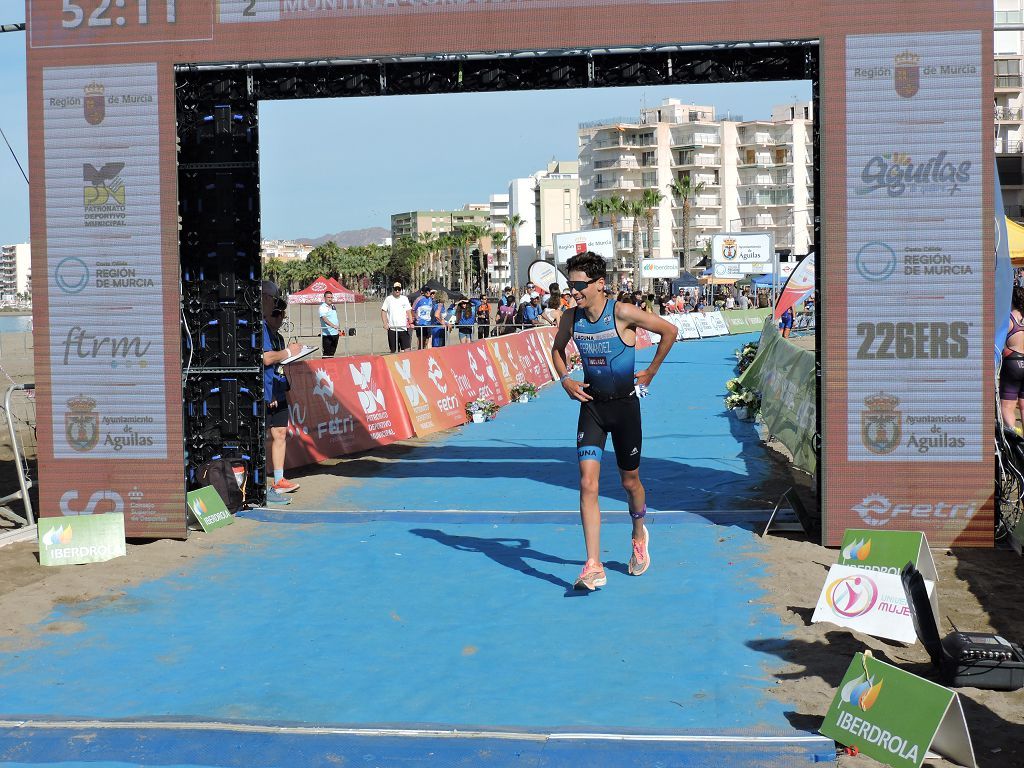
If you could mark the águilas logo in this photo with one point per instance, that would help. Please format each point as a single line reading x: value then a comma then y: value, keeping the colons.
x: 852, y: 596
x: 907, y: 75
x: 858, y: 550
x: 61, y: 535
x: 729, y: 249
x: 82, y: 424
x: 324, y: 389
x: 95, y: 103
x: 897, y: 173
x: 881, y: 425
x: 862, y: 692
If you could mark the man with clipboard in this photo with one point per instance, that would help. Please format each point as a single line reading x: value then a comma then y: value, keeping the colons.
x: 275, y: 388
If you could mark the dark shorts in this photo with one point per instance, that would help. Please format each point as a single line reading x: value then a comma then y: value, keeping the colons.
x: 619, y: 418
x: 278, y: 416
x: 398, y: 341
x: 423, y: 334
x: 1011, y: 377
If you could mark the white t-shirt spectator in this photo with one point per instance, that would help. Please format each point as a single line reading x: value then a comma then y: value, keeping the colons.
x: 397, y: 309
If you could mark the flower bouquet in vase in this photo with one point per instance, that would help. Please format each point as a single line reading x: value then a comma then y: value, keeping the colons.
x: 523, y: 392
x: 481, y: 410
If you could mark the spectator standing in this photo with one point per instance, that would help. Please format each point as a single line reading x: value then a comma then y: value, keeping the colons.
x: 743, y: 302
x: 730, y: 302
x: 532, y: 311
x: 441, y: 325
x: 396, y: 315
x: 525, y: 298
x: 275, y: 389
x: 423, y: 316
x: 552, y: 312
x: 465, y: 320
x: 786, y: 322
x: 507, y: 310
x: 483, y: 318
x: 329, y: 328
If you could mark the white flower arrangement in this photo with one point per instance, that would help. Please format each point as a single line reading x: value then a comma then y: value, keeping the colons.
x: 483, y: 406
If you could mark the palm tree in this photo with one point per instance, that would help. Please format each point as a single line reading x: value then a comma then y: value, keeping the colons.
x: 272, y: 269
x: 615, y: 206
x: 513, y: 223
x: 429, y: 240
x: 473, y: 233
x: 636, y: 209
x: 684, y: 191
x: 498, y: 239
x: 651, y: 199
x: 597, y: 208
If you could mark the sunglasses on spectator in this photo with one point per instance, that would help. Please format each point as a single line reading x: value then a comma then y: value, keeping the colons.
x: 580, y: 285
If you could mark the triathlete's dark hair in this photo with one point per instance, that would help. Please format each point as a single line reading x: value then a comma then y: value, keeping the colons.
x: 589, y: 263
x: 1017, y: 298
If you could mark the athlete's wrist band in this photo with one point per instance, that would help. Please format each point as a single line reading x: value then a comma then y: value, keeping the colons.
x: 566, y: 376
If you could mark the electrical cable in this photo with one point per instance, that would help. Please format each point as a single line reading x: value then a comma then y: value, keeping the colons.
x: 16, y: 160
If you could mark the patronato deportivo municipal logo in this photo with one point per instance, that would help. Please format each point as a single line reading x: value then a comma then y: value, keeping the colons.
x: 862, y: 692
x: 104, y: 195
x: 61, y: 535
x: 857, y: 550
x: 82, y: 424
x: 881, y: 425
x: 851, y: 596
x: 907, y: 74
x: 729, y: 249
x: 95, y: 103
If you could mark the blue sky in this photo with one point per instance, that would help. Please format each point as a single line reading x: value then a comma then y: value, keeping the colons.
x: 336, y: 164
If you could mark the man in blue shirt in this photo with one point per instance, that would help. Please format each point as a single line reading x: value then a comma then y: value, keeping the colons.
x: 533, y: 310
x: 329, y: 329
x: 275, y: 389
x: 423, y: 316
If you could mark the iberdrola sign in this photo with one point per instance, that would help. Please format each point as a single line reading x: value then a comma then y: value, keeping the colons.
x: 896, y: 717
x: 887, y: 551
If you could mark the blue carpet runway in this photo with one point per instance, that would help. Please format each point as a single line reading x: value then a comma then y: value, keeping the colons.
x: 435, y: 638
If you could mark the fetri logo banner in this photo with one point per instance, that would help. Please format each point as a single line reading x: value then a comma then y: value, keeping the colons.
x: 896, y: 717
x: 872, y: 602
x: 81, y: 539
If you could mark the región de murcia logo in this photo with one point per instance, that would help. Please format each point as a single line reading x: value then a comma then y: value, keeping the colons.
x: 881, y: 425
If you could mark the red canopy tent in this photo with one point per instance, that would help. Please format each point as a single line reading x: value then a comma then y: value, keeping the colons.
x: 314, y: 293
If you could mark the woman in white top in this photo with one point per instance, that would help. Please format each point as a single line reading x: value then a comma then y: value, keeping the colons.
x: 552, y: 313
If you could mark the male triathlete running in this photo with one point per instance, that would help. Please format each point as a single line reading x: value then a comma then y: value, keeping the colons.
x: 605, y: 333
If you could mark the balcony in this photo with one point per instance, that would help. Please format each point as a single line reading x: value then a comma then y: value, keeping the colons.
x: 1009, y: 147
x: 617, y: 184
x: 757, y: 140
x: 626, y: 143
x: 686, y: 160
x: 628, y: 163
x: 696, y: 140
x: 1007, y: 115
x: 1008, y: 82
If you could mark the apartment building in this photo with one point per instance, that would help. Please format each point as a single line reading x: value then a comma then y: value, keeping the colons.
x: 749, y: 176
x: 548, y: 202
x: 1009, y: 105
x: 15, y: 270
x: 498, y: 269
x: 414, y: 223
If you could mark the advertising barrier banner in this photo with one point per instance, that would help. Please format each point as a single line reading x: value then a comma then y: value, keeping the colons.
x: 896, y: 717
x: 784, y: 375
x: 474, y: 372
x: 872, y: 602
x: 745, y: 320
x: 706, y: 326
x: 340, y: 406
x: 81, y: 539
x: 428, y: 391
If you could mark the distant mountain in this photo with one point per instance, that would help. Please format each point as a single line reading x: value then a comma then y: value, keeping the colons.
x: 350, y: 237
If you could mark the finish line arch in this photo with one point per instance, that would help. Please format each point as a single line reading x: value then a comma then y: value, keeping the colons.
x: 903, y: 155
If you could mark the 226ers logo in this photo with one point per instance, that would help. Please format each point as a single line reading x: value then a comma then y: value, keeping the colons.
x: 881, y: 425
x: 82, y: 424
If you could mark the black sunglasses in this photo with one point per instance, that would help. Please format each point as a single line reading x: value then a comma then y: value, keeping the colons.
x: 580, y: 285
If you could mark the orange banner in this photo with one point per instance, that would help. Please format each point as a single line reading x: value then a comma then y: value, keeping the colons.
x: 430, y: 392
x: 342, y: 406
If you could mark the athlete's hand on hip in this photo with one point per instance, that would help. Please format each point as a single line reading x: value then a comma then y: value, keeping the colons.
x: 575, y: 390
x: 644, y: 377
